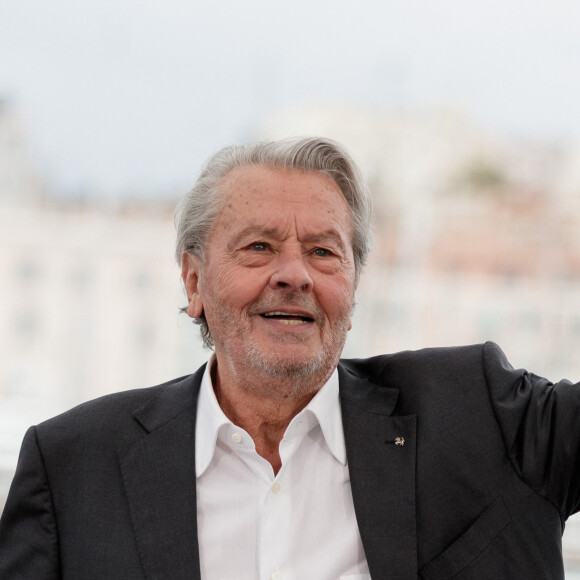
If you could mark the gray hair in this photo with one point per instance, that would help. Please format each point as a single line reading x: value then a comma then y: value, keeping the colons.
x: 197, y: 211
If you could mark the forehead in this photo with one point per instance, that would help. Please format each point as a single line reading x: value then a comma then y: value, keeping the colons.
x: 267, y: 188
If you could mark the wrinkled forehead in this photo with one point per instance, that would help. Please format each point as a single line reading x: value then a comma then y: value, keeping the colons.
x: 271, y: 198
x: 265, y: 181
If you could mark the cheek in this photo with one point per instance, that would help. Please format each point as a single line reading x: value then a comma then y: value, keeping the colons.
x: 338, y: 299
x: 224, y: 278
x: 232, y: 287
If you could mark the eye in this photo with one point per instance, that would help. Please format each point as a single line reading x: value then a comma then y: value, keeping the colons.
x: 321, y: 252
x: 258, y: 246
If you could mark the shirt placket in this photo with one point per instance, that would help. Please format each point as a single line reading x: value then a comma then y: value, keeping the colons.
x: 276, y: 514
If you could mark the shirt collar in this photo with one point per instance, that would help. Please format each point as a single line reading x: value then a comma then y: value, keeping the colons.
x: 325, y: 406
x: 324, y: 409
x: 210, y: 418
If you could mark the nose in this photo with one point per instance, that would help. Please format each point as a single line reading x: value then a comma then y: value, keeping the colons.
x: 291, y: 273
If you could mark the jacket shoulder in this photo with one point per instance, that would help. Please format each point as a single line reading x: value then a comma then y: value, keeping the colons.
x: 114, y: 416
x: 449, y: 360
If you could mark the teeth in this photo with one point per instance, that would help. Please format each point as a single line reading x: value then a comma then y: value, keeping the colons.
x: 286, y: 318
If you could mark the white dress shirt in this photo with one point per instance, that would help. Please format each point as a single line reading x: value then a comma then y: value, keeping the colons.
x: 297, y: 525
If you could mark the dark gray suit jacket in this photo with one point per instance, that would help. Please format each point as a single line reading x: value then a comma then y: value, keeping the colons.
x: 488, y: 473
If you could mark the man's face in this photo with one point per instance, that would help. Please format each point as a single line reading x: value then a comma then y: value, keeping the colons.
x: 278, y: 279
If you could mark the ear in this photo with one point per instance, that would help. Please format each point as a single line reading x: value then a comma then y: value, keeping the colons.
x: 190, y: 273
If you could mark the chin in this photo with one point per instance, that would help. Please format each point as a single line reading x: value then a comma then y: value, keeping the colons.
x: 299, y: 366
x: 289, y: 368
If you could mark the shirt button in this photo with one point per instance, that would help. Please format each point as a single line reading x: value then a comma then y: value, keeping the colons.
x: 275, y: 489
x: 236, y: 438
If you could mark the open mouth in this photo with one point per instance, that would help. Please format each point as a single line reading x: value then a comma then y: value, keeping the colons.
x: 287, y: 318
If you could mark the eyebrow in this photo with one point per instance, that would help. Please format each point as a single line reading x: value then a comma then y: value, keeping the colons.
x: 326, y: 236
x: 251, y: 231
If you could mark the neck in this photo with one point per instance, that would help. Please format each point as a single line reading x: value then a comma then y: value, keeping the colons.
x: 261, y: 408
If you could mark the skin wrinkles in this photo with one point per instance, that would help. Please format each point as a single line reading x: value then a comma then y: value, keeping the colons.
x: 330, y: 239
x: 323, y: 255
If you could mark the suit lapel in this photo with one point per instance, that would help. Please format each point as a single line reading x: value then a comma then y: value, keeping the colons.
x: 382, y: 475
x: 159, y: 477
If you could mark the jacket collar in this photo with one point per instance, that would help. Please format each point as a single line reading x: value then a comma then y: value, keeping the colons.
x: 357, y: 389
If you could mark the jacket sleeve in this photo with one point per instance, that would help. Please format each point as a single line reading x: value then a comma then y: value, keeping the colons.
x: 28, y: 532
x: 540, y: 423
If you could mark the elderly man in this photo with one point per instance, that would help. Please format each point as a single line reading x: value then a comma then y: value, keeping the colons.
x: 277, y: 461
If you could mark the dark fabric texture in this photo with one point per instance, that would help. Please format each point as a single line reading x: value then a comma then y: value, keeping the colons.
x: 461, y: 468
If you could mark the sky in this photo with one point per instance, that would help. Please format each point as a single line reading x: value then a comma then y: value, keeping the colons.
x: 128, y: 97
